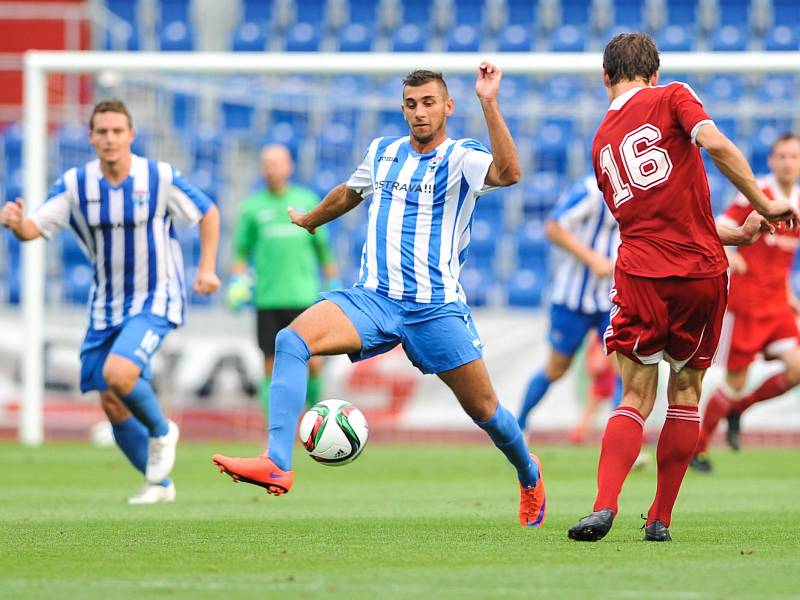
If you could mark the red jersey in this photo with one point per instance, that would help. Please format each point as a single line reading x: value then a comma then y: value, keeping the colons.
x: 762, y: 288
x: 653, y: 180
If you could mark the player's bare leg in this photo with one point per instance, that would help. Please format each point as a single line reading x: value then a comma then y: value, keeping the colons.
x: 622, y: 442
x: 323, y: 329
x: 676, y: 446
x: 472, y: 387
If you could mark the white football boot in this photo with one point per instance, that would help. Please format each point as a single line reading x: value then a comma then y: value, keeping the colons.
x: 153, y: 494
x: 161, y: 455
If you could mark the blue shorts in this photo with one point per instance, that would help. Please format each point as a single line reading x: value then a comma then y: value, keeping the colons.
x: 137, y: 339
x: 435, y: 337
x: 568, y: 327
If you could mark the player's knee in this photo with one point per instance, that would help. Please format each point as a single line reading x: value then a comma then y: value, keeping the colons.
x: 290, y: 342
x: 113, y: 407
x: 119, y: 378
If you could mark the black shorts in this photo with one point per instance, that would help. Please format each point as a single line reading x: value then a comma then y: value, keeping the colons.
x: 269, y: 321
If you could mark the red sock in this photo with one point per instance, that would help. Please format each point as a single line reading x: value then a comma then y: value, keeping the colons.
x: 717, y: 407
x: 622, y: 442
x: 676, y: 445
x: 772, y: 387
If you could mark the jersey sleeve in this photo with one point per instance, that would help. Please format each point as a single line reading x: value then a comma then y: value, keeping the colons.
x: 186, y: 201
x: 574, y: 206
x: 244, y: 234
x: 477, y: 161
x: 361, y: 179
x: 688, y: 110
x: 53, y: 215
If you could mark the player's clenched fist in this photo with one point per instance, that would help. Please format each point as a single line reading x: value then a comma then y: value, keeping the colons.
x: 12, y: 213
x: 206, y: 282
x: 488, y: 81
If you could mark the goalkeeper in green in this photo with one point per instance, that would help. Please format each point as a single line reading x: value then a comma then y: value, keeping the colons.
x: 287, y: 262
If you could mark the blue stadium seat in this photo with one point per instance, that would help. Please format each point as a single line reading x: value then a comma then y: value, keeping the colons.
x: 782, y: 38
x: 469, y: 12
x: 298, y: 119
x: 628, y: 14
x: 734, y: 12
x: 575, y: 12
x: 141, y: 143
x: 515, y: 38
x: 514, y: 87
x: 356, y: 37
x: 303, y: 37
x: 417, y: 12
x: 207, y: 181
x: 184, y: 110
x: 477, y: 285
x: 285, y: 133
x: 73, y: 147
x: 76, y: 283
x: 325, y: 180
x: 176, y: 36
x: 464, y: 38
x: 71, y: 253
x: 409, y: 38
x: 311, y: 11
x: 237, y: 115
x: 723, y: 88
x: 728, y: 126
x: 482, y: 245
x: 569, y: 38
x: 533, y: 247
x: 174, y: 10
x: 522, y: 12
x: 257, y: 11
x: 675, y: 38
x: 335, y: 145
x: 249, y: 36
x: 682, y: 12
x: 765, y: 132
x: 206, y: 144
x: 12, y: 183
x: 12, y: 146
x: 786, y: 12
x: 123, y: 31
x: 551, y: 144
x: 729, y: 38
x: 391, y: 122
x: 364, y: 12
x: 540, y: 192
x: 777, y: 88
x: 524, y: 289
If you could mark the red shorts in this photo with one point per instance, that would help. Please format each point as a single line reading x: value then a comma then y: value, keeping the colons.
x: 674, y: 319
x: 746, y: 334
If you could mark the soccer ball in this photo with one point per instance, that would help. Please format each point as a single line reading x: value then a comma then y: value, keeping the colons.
x: 334, y: 432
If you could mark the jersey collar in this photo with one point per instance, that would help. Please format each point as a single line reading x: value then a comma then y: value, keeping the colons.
x: 620, y: 101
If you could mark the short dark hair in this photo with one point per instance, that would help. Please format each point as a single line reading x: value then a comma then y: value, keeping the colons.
x: 422, y: 76
x: 629, y: 56
x: 115, y: 106
x: 786, y: 137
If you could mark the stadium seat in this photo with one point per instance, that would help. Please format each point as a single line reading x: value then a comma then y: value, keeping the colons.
x: 417, y: 12
x: 533, y: 247
x: 303, y: 37
x: 777, y: 88
x: 175, y: 29
x: 391, y: 122
x: 206, y: 181
x: 184, y: 110
x: 786, y: 12
x: 249, y: 36
x: 477, y: 285
x: 675, y: 38
x: 464, y: 38
x: 575, y: 12
x: 734, y: 12
x: 729, y: 38
x: 356, y: 37
x: 723, y: 88
x: 515, y: 38
x: 569, y: 38
x: 728, y: 126
x: 76, y: 283
x: 122, y: 32
x: 71, y: 252
x: 257, y: 11
x: 311, y: 11
x: 682, y: 12
x: 12, y: 147
x: 140, y: 145
x: 551, y: 144
x: 237, y: 115
x: 765, y: 132
x: 482, y: 245
x: 522, y: 12
x: 364, y: 12
x: 73, y: 147
x: 782, y: 38
x: 540, y: 193
x: 628, y: 14
x: 206, y: 147
x: 12, y: 183
x: 409, y: 38
x: 524, y: 289
x: 469, y: 12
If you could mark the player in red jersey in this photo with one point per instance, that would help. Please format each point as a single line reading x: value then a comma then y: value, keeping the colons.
x: 762, y: 309
x: 670, y: 282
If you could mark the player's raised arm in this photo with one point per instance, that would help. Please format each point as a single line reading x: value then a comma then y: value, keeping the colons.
x: 505, y: 168
x: 732, y: 163
x: 13, y: 216
x: 338, y: 201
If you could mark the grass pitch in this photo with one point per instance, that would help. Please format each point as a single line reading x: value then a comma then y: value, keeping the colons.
x: 401, y: 522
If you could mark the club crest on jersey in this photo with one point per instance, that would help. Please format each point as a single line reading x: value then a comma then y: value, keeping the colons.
x: 434, y: 163
x: 141, y: 197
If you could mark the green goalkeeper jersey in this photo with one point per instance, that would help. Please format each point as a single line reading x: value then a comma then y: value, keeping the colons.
x: 286, y: 258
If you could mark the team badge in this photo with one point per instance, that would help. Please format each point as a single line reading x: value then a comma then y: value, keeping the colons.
x: 434, y: 163
x: 141, y: 197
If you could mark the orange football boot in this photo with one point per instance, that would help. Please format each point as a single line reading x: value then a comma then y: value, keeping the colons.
x: 532, y: 502
x: 260, y: 471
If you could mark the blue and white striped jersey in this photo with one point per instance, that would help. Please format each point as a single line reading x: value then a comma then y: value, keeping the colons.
x: 127, y: 233
x: 584, y: 213
x: 420, y: 216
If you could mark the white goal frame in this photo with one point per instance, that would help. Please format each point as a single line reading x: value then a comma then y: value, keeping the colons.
x: 38, y: 65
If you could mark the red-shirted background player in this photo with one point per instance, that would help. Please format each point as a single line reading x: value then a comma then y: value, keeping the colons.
x: 670, y: 281
x: 762, y: 308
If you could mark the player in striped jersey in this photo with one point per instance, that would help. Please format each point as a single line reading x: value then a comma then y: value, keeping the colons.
x: 582, y: 225
x: 424, y: 188
x: 121, y: 207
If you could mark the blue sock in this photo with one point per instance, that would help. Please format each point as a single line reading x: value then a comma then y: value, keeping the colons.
x: 132, y: 438
x: 507, y: 436
x: 616, y: 398
x: 537, y: 388
x: 142, y: 402
x: 287, y: 394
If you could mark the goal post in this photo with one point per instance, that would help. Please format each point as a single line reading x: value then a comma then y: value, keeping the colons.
x: 38, y: 65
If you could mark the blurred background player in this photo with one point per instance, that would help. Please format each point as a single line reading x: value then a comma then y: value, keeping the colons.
x: 286, y: 260
x: 762, y: 307
x: 670, y: 282
x: 121, y: 207
x: 582, y: 225
x: 602, y: 386
x: 424, y: 188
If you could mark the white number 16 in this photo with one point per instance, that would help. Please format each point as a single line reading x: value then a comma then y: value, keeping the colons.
x: 646, y: 164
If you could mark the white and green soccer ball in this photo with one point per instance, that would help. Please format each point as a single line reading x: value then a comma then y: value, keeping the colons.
x: 334, y: 432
